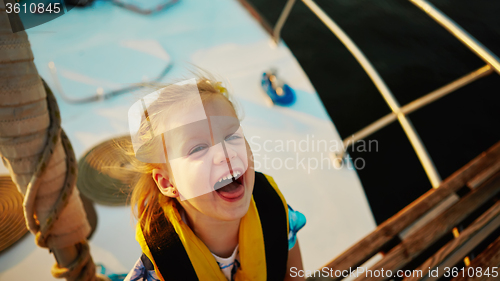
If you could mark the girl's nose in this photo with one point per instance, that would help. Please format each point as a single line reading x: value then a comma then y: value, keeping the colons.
x: 220, y: 154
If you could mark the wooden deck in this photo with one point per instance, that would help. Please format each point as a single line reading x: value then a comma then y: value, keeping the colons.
x: 418, y: 237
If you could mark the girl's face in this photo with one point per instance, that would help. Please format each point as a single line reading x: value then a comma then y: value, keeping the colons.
x: 210, y: 162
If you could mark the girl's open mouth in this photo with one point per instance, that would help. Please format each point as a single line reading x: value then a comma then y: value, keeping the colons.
x: 231, y: 188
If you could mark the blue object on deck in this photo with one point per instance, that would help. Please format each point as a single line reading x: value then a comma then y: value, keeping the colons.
x: 113, y: 277
x: 279, y: 92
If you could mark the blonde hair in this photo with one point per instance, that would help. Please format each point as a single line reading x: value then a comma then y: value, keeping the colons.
x: 146, y: 200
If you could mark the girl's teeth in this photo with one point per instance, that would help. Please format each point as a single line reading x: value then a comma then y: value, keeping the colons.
x: 234, y: 175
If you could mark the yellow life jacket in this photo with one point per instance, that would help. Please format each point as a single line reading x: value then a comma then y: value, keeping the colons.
x: 263, y: 241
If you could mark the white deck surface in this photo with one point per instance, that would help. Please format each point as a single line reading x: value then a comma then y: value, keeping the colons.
x: 104, y: 46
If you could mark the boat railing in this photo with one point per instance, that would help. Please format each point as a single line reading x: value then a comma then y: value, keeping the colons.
x: 399, y: 112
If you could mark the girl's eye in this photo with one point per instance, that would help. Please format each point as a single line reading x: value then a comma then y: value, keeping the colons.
x: 232, y: 137
x: 197, y: 148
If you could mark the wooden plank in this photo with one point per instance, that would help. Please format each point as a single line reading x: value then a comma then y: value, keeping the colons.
x: 412, y: 246
x: 483, y: 176
x: 458, y: 248
x: 489, y: 258
x: 372, y: 243
x: 430, y: 215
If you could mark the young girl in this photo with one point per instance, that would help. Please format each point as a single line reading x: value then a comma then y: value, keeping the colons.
x: 204, y: 213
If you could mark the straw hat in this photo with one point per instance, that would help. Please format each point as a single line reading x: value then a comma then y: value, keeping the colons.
x: 105, y: 175
x: 12, y: 225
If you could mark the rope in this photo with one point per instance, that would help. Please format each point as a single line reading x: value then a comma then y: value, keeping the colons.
x: 12, y: 226
x: 40, y: 158
x: 83, y: 267
x: 100, y: 95
x: 105, y: 174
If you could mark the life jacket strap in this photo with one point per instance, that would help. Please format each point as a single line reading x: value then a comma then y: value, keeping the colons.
x: 273, y: 218
x: 168, y: 252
